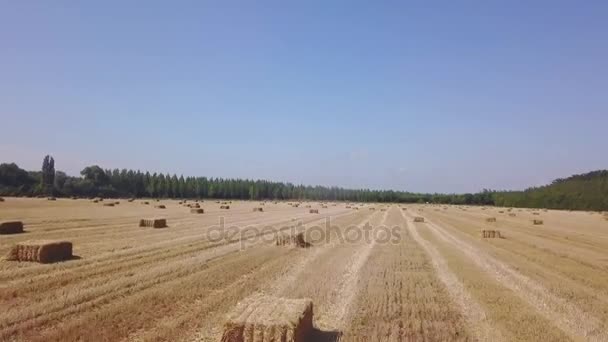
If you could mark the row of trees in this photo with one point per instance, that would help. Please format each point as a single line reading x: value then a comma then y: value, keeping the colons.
x: 589, y: 191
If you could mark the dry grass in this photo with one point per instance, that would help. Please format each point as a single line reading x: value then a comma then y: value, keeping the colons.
x: 134, y: 284
x: 262, y: 318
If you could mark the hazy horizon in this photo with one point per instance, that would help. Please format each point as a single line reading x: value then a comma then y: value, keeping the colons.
x: 450, y: 99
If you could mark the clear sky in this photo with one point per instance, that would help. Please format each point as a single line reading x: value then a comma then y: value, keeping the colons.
x: 430, y: 96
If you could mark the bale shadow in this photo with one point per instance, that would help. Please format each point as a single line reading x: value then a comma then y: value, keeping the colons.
x: 73, y: 257
x: 318, y: 335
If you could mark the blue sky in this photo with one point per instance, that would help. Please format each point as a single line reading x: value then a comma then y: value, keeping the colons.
x: 444, y: 96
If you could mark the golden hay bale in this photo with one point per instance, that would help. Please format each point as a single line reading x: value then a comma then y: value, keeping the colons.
x: 296, y: 240
x: 95, y: 201
x: 12, y: 227
x: 160, y: 206
x: 145, y: 202
x: 324, y: 206
x: 1, y: 199
x: 537, y: 222
x: 197, y: 211
x: 491, y: 219
x: 131, y: 200
x: 42, y: 251
x: 262, y: 318
x: 108, y: 204
x: 224, y: 207
x: 154, y: 223
x: 404, y: 208
x: 501, y: 211
x: 313, y: 211
x: 536, y: 214
x: 258, y: 209
x: 51, y: 199
x: 418, y: 219
x: 308, y: 206
x: 382, y: 209
x: 491, y: 234
x: 372, y: 208
x: 348, y: 207
x: 512, y: 214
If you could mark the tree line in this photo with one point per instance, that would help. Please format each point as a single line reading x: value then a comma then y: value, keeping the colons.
x: 589, y: 191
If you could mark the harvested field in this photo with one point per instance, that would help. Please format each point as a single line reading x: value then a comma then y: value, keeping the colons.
x: 437, y: 280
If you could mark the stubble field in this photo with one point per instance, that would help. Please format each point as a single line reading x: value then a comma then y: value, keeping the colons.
x: 373, y: 275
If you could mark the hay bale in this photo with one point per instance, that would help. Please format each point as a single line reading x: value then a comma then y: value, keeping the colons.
x: 536, y: 214
x: 418, y: 219
x: 537, y: 222
x: 145, y: 202
x: 42, y: 251
x: 11, y: 227
x: 262, y: 318
x: 491, y: 234
x: 154, y: 223
x: 160, y: 206
x: 258, y: 209
x: 108, y: 204
x: 324, y: 206
x: 491, y: 219
x: 501, y: 211
x: 382, y: 209
x: 197, y: 211
x: 1, y: 199
x: 296, y: 240
x: 131, y: 200
x: 372, y: 208
x: 51, y: 198
x: 348, y: 207
x: 313, y: 211
x: 512, y: 214
x: 95, y: 201
x: 224, y: 207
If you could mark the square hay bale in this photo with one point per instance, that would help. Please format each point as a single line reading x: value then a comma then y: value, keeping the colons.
x: 51, y: 199
x: 1, y: 199
x: 313, y: 211
x: 95, y: 201
x: 418, y: 219
x: 42, y: 251
x: 262, y: 318
x: 131, y: 200
x: 491, y: 219
x: 193, y: 205
x: 108, y: 204
x: 145, y: 202
x: 382, y: 209
x: 512, y: 214
x: 197, y: 211
x: 154, y: 223
x: 491, y: 234
x: 12, y: 227
x: 348, y: 207
x: 537, y: 222
x: 536, y: 214
x: 372, y: 208
x: 224, y: 207
x: 501, y: 211
x: 308, y: 206
x: 324, y: 206
x: 258, y: 209
x: 296, y: 240
x: 160, y: 206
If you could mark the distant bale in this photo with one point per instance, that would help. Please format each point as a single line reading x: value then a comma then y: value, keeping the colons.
x: 224, y: 207
x: 324, y: 206
x: 347, y: 207
x: 12, y: 227
x: 145, y: 202
x: 258, y: 209
x: 262, y: 318
x: 512, y: 214
x: 382, y: 209
x: 154, y: 223
x: 537, y: 222
x: 108, y: 204
x: 372, y: 208
x: 1, y: 199
x: 313, y: 211
x: 117, y: 203
x: 501, y: 211
x: 95, y: 201
x: 197, y: 211
x: 51, y: 198
x: 308, y: 206
x: 131, y: 200
x: 160, y: 206
x: 296, y: 240
x: 404, y: 208
x: 193, y: 205
x: 536, y: 214
x: 491, y: 234
x: 418, y: 219
x: 42, y: 251
x: 491, y: 219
